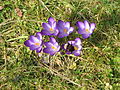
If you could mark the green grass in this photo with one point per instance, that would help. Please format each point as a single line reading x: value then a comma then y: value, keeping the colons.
x: 98, y: 67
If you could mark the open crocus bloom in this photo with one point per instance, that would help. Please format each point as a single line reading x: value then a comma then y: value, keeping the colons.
x: 34, y: 42
x: 50, y: 27
x: 64, y: 29
x: 51, y: 47
x: 73, y: 47
x: 85, y: 29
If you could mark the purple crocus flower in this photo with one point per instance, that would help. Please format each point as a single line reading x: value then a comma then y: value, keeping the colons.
x: 64, y: 29
x: 51, y: 47
x: 73, y: 47
x: 50, y: 27
x: 34, y: 42
x: 85, y: 29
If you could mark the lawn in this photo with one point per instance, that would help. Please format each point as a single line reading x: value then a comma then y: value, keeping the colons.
x: 98, y: 66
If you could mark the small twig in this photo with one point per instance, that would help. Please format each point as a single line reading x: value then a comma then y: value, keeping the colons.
x: 46, y: 8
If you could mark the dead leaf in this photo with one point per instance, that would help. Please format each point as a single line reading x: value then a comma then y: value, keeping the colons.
x: 1, y: 7
x: 19, y: 12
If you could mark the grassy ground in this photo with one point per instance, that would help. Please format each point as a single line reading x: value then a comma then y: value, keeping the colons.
x: 98, y: 67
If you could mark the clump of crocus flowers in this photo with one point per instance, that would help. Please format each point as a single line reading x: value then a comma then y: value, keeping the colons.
x: 59, y: 29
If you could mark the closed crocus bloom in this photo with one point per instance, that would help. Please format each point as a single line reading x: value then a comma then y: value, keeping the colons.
x: 73, y: 47
x: 64, y: 29
x: 50, y: 27
x: 52, y: 47
x: 85, y: 28
x: 34, y: 42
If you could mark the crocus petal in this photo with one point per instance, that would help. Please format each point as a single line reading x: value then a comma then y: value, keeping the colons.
x: 52, y: 22
x: 56, y: 32
x: 86, y: 36
x: 71, y: 30
x: 33, y: 39
x: 45, y: 32
x: 80, y: 25
x: 67, y: 24
x: 52, y: 40
x: 33, y: 47
x: 60, y: 29
x: 40, y: 42
x: 38, y: 35
x: 48, y: 44
x: 46, y: 26
x: 48, y: 50
x: 64, y: 46
x: 28, y: 43
x: 53, y: 25
x: 58, y: 48
x: 38, y: 50
x: 76, y: 52
x: 51, y: 19
x: 86, y: 24
x: 60, y: 23
x: 68, y: 52
x: 92, y: 26
x: 77, y: 41
x: 79, y: 47
x: 82, y: 31
x: 61, y: 35
x: 52, y: 53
